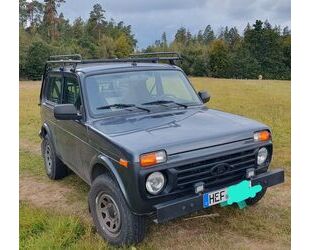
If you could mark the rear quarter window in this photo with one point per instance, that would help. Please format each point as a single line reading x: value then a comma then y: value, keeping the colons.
x: 54, y: 88
x: 71, y: 93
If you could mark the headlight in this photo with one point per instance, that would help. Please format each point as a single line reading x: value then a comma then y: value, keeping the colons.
x: 153, y: 158
x: 262, y: 156
x: 155, y: 183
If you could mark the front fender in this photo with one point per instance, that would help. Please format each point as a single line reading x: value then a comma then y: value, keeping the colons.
x: 106, y: 163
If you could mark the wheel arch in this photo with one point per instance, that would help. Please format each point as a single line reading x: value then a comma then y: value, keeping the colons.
x: 46, y: 130
x: 102, y: 165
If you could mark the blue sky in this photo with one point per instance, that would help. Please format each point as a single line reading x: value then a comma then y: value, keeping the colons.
x: 150, y: 18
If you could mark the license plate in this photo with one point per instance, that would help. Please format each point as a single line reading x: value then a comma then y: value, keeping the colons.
x: 215, y: 197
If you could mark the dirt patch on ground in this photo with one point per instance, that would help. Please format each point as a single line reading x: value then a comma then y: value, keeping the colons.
x: 30, y: 146
x: 48, y: 194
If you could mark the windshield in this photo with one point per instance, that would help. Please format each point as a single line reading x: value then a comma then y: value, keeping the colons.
x: 139, y: 89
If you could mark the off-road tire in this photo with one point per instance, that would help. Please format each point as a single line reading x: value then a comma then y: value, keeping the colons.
x: 257, y: 198
x: 131, y: 229
x: 54, y: 167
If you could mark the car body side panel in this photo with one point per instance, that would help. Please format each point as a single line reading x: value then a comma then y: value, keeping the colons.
x: 73, y: 142
x: 50, y: 121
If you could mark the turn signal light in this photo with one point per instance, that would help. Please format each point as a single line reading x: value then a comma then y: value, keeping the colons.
x: 262, y: 136
x: 123, y: 163
x: 150, y: 159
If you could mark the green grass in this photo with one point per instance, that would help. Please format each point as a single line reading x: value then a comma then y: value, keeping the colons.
x: 265, y: 226
x: 30, y: 163
x: 45, y: 229
x: 29, y: 112
x: 42, y: 229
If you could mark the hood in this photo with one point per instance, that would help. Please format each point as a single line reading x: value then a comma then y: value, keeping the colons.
x: 177, y: 131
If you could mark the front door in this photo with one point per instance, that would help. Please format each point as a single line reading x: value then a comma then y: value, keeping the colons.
x: 74, y: 133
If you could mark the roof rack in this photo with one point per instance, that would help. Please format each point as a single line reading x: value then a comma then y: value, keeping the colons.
x: 75, y: 59
x: 66, y: 57
x: 159, y: 56
x: 157, y: 53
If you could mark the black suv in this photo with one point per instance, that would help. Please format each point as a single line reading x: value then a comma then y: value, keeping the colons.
x: 137, y: 132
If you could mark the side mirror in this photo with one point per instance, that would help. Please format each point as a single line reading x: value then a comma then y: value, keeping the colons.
x: 204, y: 96
x: 66, y: 112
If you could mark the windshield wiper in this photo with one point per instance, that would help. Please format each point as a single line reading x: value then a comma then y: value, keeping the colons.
x: 145, y: 109
x: 122, y: 105
x: 116, y: 105
x: 159, y: 102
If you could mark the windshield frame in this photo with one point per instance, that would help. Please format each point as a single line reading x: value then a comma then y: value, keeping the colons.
x: 125, y: 111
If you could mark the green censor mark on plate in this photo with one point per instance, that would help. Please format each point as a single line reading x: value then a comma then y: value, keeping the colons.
x: 240, y: 192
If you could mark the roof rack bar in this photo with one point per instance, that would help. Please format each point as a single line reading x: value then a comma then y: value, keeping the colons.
x: 156, y: 54
x: 66, y: 57
x: 161, y: 56
x: 74, y: 59
x: 121, y: 60
x: 146, y: 59
x: 63, y: 61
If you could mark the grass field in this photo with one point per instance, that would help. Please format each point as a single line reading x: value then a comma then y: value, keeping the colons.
x: 53, y: 215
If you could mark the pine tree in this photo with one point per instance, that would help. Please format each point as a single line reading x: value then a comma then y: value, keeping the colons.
x: 96, y: 22
x: 23, y: 14
x: 180, y: 36
x: 208, y: 35
x: 35, y: 13
x: 233, y: 37
x: 50, y: 17
x: 78, y: 27
x: 164, y: 40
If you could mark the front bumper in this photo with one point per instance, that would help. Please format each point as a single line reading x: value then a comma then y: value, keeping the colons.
x: 186, y: 205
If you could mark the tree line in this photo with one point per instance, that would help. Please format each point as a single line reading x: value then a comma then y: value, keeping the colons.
x: 262, y: 49
x: 44, y: 32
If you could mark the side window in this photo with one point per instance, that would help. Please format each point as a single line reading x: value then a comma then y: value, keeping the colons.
x: 72, y: 92
x: 53, y: 92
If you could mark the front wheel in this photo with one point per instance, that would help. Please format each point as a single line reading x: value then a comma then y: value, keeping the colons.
x: 111, y: 215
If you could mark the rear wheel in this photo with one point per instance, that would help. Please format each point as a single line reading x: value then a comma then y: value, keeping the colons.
x: 54, y: 167
x: 111, y: 215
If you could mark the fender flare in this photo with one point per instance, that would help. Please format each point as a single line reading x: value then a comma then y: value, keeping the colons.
x: 106, y: 163
x: 48, y: 130
x: 46, y: 127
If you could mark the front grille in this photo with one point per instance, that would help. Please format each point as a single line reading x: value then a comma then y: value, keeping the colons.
x: 216, y: 171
